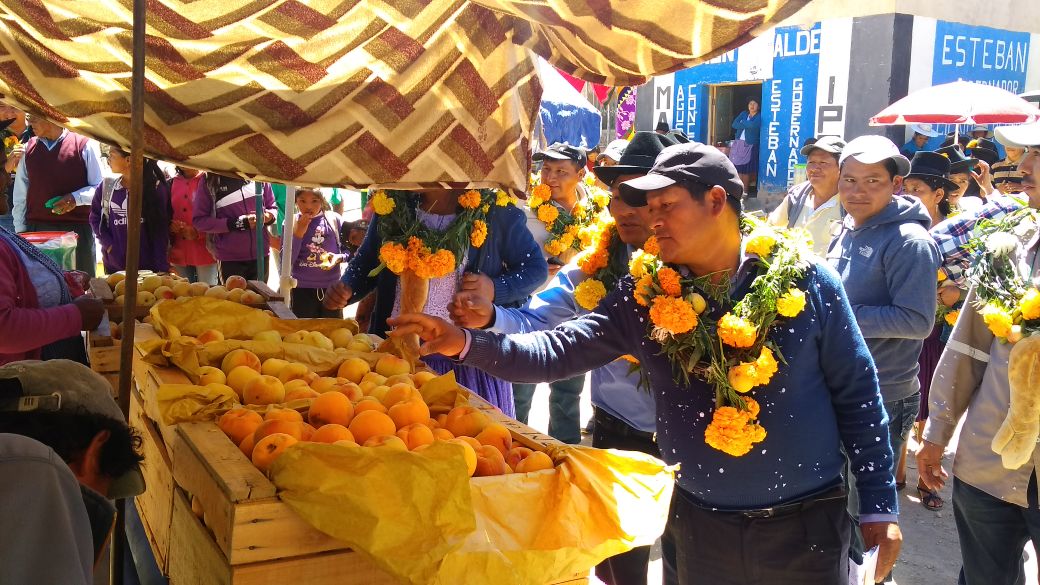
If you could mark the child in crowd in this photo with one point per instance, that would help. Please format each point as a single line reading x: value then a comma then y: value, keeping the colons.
x: 225, y: 208
x: 188, y: 253
x: 108, y: 215
x: 317, y: 254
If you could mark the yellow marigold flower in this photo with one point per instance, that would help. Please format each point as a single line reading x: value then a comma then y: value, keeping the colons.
x: 573, y: 230
x: 727, y: 431
x: 761, y: 242
x: 669, y: 281
x: 643, y: 289
x: 757, y: 433
x: 599, y: 198
x: 394, y: 256
x: 998, y: 320
x: 548, y: 213
x: 589, y: 293
x: 501, y: 198
x: 592, y: 260
x: 941, y: 275
x: 470, y: 199
x: 951, y: 317
x: 382, y: 203
x: 567, y: 240
x: 765, y: 366
x: 791, y: 303
x: 554, y: 247
x: 1030, y: 305
x: 651, y: 247
x: 751, y: 407
x: 673, y: 315
x: 637, y: 265
x: 736, y: 331
x: 479, y: 234
x: 486, y: 208
x: 743, y: 377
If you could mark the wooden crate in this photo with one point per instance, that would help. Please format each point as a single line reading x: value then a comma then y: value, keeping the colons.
x: 155, y: 505
x: 233, y: 543
x: 103, y: 355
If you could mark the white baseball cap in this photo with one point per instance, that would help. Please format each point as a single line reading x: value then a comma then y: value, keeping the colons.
x: 925, y: 129
x: 871, y: 149
x: 1022, y: 136
x: 615, y: 149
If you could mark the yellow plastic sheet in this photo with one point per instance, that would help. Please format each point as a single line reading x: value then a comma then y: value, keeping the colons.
x: 418, y: 523
x: 184, y: 402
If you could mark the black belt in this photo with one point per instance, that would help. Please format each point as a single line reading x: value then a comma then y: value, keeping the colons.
x: 774, y: 511
x: 619, y: 427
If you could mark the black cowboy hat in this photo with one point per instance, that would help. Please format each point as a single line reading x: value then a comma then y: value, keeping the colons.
x: 984, y: 150
x: 638, y: 157
x: 962, y: 139
x: 958, y: 162
x: 932, y: 165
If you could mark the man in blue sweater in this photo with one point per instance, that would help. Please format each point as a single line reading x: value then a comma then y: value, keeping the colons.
x: 623, y: 413
x: 777, y: 514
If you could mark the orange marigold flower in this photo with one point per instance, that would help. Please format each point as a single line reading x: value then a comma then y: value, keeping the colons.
x: 554, y: 247
x: 470, y: 199
x: 673, y: 315
x: 651, y: 247
x: 736, y: 331
x: 643, y: 289
x: 592, y: 260
x: 728, y: 432
x: 394, y: 256
x: 540, y: 192
x: 751, y: 407
x: 669, y: 281
x: 548, y: 213
x: 479, y: 234
x: 766, y: 366
x: 435, y: 265
x: 757, y: 433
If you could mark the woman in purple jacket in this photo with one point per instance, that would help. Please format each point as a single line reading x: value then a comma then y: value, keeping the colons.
x: 108, y: 215
x: 225, y: 210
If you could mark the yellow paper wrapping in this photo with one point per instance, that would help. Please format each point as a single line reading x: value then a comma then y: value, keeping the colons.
x: 526, y: 529
x: 185, y: 403
x: 194, y: 315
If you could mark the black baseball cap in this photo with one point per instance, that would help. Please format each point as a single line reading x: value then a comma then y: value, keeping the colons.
x: 560, y: 151
x: 692, y: 162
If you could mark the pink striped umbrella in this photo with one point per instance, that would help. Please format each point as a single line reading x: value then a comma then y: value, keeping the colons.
x: 960, y: 102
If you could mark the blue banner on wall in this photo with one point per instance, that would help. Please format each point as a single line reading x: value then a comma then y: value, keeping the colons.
x: 690, y: 113
x: 980, y: 54
x: 789, y: 103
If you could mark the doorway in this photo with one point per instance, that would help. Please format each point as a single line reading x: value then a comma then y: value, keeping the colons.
x: 726, y: 102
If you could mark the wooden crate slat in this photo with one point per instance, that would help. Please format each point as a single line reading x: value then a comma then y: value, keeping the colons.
x: 155, y: 505
x: 255, y: 522
x: 265, y: 291
x: 196, y: 559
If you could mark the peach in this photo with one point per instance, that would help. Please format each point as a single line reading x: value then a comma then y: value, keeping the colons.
x: 420, y: 378
x: 235, y: 281
x: 324, y: 384
x: 360, y: 344
x: 536, y: 461
x: 415, y: 435
x: 283, y: 414
x: 150, y: 283
x: 409, y: 412
x: 351, y: 390
x: 246, y: 446
x: 182, y: 289
x: 469, y: 454
x: 239, y: 377
x: 197, y: 289
x: 164, y: 293
x: 270, y: 448
x: 400, y: 379
x: 235, y: 295
x: 270, y: 427
x: 441, y: 419
x: 210, y: 336
x: 368, y: 424
x: 251, y: 298
x: 263, y: 390
x: 332, y: 433
x: 466, y: 420
x: 307, y: 432
x: 516, y: 455
x: 341, y: 337
x: 367, y: 386
x: 489, y: 462
x: 211, y: 375
x: 120, y: 300
x: 240, y: 357
x: 374, y: 377
x: 386, y: 442
x: 295, y: 337
x: 216, y: 292
x: 432, y: 423
x: 296, y: 384
x: 293, y: 372
x: 300, y: 393
x: 442, y: 435
x: 331, y: 408
x: 146, y: 298
x: 269, y: 335
x: 495, y: 435
x: 379, y: 392
x: 115, y: 278
x: 318, y: 339
x: 390, y: 365
x: 239, y: 423
x: 311, y: 378
x: 273, y: 366
x: 398, y: 393
x: 369, y: 403
x: 475, y: 444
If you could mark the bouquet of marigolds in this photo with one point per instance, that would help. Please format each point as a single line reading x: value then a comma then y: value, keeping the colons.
x: 568, y: 230
x: 733, y: 353
x: 1007, y: 299
x: 11, y: 142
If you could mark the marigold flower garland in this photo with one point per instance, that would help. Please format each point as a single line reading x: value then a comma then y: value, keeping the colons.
x: 568, y: 230
x: 603, y: 263
x: 733, y: 352
x: 410, y: 245
x: 1007, y: 300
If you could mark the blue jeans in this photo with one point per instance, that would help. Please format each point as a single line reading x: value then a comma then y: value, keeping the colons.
x: 992, y: 533
x: 7, y: 221
x: 207, y: 273
x: 901, y: 416
x: 564, y: 407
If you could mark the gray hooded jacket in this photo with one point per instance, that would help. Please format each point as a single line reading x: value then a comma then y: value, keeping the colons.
x: 889, y: 266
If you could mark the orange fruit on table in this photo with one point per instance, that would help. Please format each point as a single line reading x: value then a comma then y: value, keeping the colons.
x: 442, y: 435
x: 470, y: 455
x: 246, y: 446
x: 496, y: 435
x: 410, y: 412
x: 240, y: 357
x: 398, y: 393
x: 386, y: 442
x: 369, y: 403
x: 465, y: 421
x: 238, y: 423
x: 332, y: 433
x: 283, y: 414
x: 263, y: 390
x: 370, y: 423
x: 536, y: 461
x: 270, y: 427
x: 515, y: 455
x: 270, y: 448
x: 415, y: 435
x: 490, y: 462
x: 331, y: 407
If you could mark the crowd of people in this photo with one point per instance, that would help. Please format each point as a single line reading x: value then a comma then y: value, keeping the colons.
x: 881, y: 331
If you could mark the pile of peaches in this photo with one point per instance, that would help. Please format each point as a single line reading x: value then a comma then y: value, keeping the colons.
x: 152, y: 288
x: 379, y: 409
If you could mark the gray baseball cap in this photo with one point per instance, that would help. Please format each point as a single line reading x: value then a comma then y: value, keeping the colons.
x: 65, y: 386
x: 871, y: 149
x: 831, y: 144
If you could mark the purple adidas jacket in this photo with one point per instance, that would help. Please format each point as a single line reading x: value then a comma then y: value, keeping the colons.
x: 219, y: 217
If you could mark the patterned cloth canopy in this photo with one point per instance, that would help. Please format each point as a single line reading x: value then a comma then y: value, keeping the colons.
x: 401, y: 93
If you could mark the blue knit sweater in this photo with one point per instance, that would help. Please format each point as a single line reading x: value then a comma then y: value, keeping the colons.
x: 826, y: 396
x: 510, y: 257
